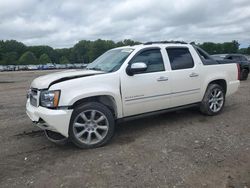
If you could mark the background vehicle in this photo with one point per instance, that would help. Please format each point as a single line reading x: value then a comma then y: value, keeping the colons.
x: 69, y: 66
x: 32, y: 67
x: 58, y: 66
x: 47, y: 66
x: 50, y: 66
x: 22, y: 67
x: 63, y: 66
x: 126, y: 83
x: 80, y: 66
x: 10, y: 67
x: 242, y: 60
x: 1, y: 68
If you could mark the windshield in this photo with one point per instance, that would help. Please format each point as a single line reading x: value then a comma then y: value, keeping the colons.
x: 110, y: 61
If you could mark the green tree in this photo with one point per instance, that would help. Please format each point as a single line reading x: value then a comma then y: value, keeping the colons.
x: 80, y: 51
x: 242, y: 51
x: 44, y: 59
x: 40, y: 50
x: 64, y: 60
x: 127, y: 42
x: 1, y: 50
x: 221, y: 48
x: 13, y: 46
x: 85, y: 51
x: 9, y: 58
x: 63, y: 52
x: 10, y: 51
x: 231, y: 47
x: 28, y: 58
x: 248, y: 50
x: 98, y: 47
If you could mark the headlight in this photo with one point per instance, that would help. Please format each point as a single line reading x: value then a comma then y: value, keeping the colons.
x: 50, y: 99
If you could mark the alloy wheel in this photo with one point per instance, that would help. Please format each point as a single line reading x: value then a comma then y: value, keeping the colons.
x: 90, y: 127
x: 216, y: 100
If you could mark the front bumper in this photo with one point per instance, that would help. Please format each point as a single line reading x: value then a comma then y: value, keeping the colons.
x: 54, y: 120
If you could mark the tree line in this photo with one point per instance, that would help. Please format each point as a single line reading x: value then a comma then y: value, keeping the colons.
x: 224, y: 48
x: 13, y: 52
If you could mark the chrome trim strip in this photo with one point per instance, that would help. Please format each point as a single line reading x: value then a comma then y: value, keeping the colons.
x: 161, y: 95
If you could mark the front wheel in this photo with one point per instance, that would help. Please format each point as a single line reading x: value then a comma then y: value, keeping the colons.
x: 92, y: 125
x: 213, y: 100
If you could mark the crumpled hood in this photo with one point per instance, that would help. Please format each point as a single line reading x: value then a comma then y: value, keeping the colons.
x: 44, y: 82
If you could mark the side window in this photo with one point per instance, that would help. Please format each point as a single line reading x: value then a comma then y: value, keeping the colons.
x: 243, y: 58
x: 152, y: 58
x: 180, y: 58
x: 236, y: 58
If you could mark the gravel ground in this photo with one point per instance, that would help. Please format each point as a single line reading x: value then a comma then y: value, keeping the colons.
x: 180, y: 149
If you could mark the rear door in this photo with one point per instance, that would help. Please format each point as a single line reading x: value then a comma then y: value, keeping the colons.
x: 185, y: 76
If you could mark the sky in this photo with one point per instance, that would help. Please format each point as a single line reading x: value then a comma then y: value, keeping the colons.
x: 62, y: 23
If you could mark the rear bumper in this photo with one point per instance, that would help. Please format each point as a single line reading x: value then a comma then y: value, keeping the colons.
x: 55, y: 120
x: 232, y: 87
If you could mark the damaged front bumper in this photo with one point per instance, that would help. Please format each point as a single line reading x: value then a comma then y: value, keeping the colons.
x: 57, y: 120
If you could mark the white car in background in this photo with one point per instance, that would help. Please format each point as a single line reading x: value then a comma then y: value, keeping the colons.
x: 32, y: 67
x: 1, y: 68
x: 126, y: 83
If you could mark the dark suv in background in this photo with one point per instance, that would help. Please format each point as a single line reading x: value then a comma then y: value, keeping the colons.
x: 241, y: 59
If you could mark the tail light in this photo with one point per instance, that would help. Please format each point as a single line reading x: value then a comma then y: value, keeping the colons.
x: 238, y: 67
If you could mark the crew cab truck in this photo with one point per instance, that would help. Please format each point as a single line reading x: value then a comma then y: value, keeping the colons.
x: 128, y: 82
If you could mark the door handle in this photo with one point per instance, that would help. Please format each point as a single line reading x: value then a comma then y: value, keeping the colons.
x: 162, y: 78
x: 193, y: 74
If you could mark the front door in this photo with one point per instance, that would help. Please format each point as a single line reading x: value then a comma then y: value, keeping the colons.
x: 149, y: 90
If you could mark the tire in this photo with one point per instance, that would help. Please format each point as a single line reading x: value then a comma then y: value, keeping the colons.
x: 213, y: 100
x: 244, y: 74
x: 92, y: 125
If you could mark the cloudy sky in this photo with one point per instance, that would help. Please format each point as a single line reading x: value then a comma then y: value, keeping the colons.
x: 61, y: 23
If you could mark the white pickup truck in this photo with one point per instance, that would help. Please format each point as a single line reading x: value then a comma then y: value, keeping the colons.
x: 128, y: 82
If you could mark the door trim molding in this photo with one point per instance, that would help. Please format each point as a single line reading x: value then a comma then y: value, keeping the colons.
x: 161, y: 95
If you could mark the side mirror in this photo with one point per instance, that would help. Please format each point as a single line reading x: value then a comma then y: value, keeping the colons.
x: 136, y: 68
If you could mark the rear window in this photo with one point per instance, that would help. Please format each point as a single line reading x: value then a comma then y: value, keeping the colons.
x: 180, y: 58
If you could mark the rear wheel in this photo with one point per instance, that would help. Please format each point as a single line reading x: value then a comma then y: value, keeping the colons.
x: 92, y: 125
x: 244, y: 74
x: 213, y: 100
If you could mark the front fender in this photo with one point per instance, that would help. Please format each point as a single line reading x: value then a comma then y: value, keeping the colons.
x: 69, y: 98
x: 98, y: 85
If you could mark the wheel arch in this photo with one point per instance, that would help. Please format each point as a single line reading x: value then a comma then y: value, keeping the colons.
x: 107, y: 100
x: 220, y: 82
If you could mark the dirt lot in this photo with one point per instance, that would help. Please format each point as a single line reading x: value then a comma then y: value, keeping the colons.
x: 180, y: 149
